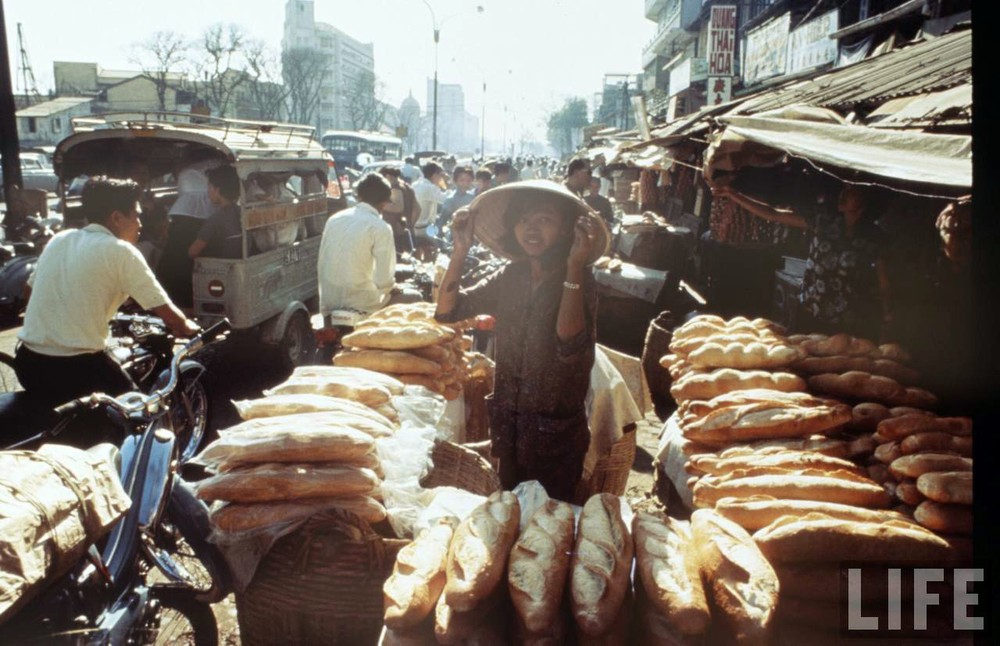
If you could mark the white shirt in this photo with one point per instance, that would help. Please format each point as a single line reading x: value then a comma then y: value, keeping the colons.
x: 192, y: 191
x: 410, y: 173
x: 357, y: 261
x: 528, y: 172
x: 429, y: 197
x: 82, y: 277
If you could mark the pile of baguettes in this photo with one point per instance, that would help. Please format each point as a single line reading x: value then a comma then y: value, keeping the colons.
x: 307, y: 446
x: 801, y: 471
x: 489, y: 580
x: 405, y: 341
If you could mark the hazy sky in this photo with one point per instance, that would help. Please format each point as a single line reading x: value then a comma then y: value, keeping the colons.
x: 532, y: 53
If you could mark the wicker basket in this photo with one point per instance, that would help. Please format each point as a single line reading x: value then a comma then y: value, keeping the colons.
x: 322, y: 584
x: 457, y: 466
x: 611, y: 472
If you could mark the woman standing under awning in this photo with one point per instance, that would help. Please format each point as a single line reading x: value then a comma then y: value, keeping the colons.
x: 845, y: 287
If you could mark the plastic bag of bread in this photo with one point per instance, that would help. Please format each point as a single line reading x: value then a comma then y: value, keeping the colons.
x: 360, y: 375
x: 372, y: 423
x: 288, y: 482
x: 281, y: 405
x: 288, y: 442
x: 369, y: 394
x: 244, y: 519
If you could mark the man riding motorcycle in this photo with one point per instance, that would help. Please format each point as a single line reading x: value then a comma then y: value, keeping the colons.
x: 81, y: 279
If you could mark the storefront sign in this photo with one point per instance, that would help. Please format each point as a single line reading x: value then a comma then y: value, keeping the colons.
x: 720, y: 90
x: 810, y: 44
x: 680, y: 77
x: 721, y: 40
x: 767, y: 50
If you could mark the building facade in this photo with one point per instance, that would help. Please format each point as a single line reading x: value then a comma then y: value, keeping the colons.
x: 457, y: 129
x: 346, y: 59
x: 49, y: 122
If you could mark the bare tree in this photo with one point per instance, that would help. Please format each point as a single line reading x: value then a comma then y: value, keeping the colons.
x: 303, y: 69
x: 222, y: 51
x: 159, y: 58
x: 363, y: 99
x: 265, y: 92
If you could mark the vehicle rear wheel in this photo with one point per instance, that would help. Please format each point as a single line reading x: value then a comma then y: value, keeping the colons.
x: 298, y: 345
x: 184, y: 620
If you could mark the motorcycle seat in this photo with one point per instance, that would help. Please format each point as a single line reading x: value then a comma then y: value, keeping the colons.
x: 22, y: 416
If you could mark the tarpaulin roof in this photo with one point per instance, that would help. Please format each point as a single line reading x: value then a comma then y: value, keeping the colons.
x: 943, y: 160
x: 951, y: 107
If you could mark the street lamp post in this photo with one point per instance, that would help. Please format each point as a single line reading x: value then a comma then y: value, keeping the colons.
x: 437, y: 40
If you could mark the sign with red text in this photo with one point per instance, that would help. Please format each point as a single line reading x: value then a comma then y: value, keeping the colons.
x: 719, y: 90
x: 721, y: 40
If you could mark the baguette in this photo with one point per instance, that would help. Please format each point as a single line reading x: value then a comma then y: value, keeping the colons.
x: 539, y: 565
x: 839, y: 344
x: 866, y: 417
x: 418, y: 576
x: 898, y: 428
x: 765, y: 420
x: 825, y: 581
x: 888, y: 453
x: 944, y: 518
x: 916, y: 465
x: 745, y: 356
x: 709, y: 385
x: 850, y: 475
x: 816, y: 537
x: 792, y: 487
x: 817, y: 443
x: 718, y: 466
x: 936, y: 443
x: 953, y: 487
x: 757, y: 512
x: 602, y: 563
x: 283, y: 405
x: 344, y: 386
x: 858, y: 385
x: 879, y: 473
x: 356, y: 375
x: 477, y: 558
x: 908, y: 494
x: 742, y: 583
x: 402, y: 337
x: 899, y: 411
x: 668, y: 570
x: 688, y: 344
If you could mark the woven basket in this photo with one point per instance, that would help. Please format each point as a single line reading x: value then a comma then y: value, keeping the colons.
x: 321, y: 584
x: 457, y: 466
x: 611, y: 472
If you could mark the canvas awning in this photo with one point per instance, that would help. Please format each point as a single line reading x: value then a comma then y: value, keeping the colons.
x: 943, y: 160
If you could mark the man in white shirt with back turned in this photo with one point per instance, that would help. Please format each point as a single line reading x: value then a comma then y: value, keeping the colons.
x: 82, y: 277
x: 357, y: 255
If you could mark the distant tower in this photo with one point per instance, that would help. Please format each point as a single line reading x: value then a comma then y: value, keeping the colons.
x: 29, y: 85
x: 300, y: 24
x: 409, y: 117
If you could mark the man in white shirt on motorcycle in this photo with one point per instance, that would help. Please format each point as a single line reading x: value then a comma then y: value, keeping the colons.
x: 357, y: 255
x: 80, y: 281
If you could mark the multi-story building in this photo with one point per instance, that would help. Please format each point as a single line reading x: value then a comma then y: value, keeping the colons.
x: 121, y: 90
x: 346, y: 58
x: 457, y: 129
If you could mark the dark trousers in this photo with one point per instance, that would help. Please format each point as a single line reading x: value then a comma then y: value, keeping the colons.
x: 51, y: 381
x: 176, y: 268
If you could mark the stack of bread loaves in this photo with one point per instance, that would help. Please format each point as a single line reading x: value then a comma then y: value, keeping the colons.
x: 299, y: 452
x: 405, y: 341
x: 929, y: 462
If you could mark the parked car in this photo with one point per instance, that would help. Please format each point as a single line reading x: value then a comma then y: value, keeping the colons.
x: 36, y: 172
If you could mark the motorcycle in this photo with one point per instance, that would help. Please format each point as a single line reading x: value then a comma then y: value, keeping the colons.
x: 22, y: 255
x: 155, y: 574
x: 144, y: 347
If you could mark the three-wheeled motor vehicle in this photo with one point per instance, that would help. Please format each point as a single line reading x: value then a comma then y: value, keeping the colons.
x: 289, y: 189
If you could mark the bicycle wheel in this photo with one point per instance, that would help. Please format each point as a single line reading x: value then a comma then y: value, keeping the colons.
x: 180, y: 549
x: 184, y: 620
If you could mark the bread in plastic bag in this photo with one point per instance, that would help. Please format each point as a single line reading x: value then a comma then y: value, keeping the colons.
x: 360, y: 375
x: 281, y: 405
x: 367, y: 393
x: 288, y: 483
x: 315, y: 421
x: 235, y: 519
x: 288, y: 443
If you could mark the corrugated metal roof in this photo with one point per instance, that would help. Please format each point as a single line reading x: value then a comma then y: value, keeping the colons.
x: 949, y: 107
x: 55, y: 106
x: 934, y: 64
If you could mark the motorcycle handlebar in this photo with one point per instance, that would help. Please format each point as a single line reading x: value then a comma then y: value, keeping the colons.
x: 216, y: 331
